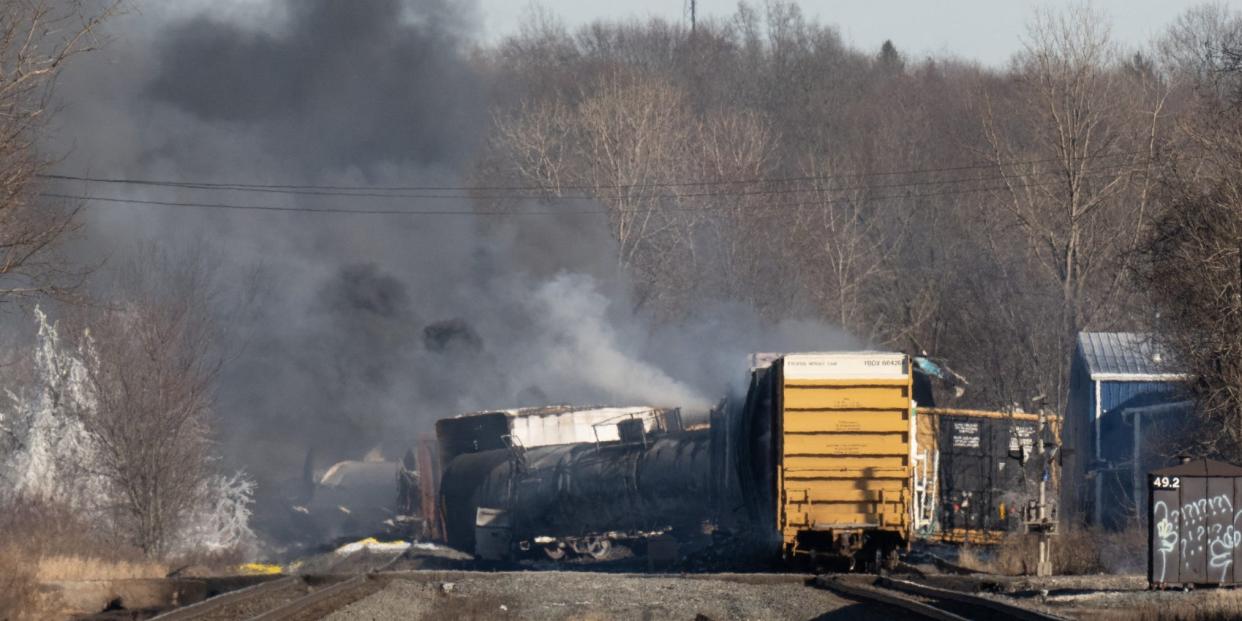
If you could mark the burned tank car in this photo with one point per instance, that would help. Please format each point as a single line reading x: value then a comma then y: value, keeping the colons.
x: 579, y: 498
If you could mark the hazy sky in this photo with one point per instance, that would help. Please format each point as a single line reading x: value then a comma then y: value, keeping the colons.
x: 984, y: 30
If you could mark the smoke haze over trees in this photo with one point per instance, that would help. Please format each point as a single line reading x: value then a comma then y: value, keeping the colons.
x: 337, y: 354
x: 1024, y: 194
x: 647, y: 205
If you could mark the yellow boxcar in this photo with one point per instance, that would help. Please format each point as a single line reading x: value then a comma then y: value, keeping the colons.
x: 844, y: 453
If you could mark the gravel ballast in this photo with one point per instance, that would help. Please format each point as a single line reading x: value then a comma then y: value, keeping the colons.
x: 600, y: 597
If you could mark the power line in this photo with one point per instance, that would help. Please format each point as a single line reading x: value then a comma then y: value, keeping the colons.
x: 540, y: 188
x: 814, y: 189
x: 551, y: 212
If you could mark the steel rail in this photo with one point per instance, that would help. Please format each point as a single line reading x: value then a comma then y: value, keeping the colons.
x: 298, y: 606
x: 1012, y: 611
x: 897, y: 593
x: 302, y: 604
x: 212, y: 604
x: 856, y: 590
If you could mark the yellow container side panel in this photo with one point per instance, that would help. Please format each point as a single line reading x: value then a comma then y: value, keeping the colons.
x: 847, y: 444
x: 845, y: 455
x: 845, y: 465
x: 847, y: 397
x: 822, y: 492
x: 869, y: 421
x: 814, y: 517
x: 845, y: 486
x: 928, y: 431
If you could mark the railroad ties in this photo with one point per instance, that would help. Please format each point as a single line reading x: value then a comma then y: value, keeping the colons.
x: 285, y: 598
x: 282, y: 599
x: 928, y: 602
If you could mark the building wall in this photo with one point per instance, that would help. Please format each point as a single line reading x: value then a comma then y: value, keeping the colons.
x: 1111, y: 485
x: 1077, y: 444
x: 1122, y: 487
x: 1103, y: 464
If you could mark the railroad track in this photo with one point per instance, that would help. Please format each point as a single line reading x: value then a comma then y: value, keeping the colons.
x: 928, y: 602
x: 284, y: 599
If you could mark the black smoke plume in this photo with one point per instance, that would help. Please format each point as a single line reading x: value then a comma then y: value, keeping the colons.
x: 368, y: 328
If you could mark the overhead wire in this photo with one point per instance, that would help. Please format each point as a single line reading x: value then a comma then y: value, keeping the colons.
x: 516, y: 212
x: 385, y: 191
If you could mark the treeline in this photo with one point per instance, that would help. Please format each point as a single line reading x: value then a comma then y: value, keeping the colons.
x: 984, y: 216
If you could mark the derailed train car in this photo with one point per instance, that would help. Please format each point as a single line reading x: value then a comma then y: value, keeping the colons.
x: 815, y: 462
x: 827, y: 454
x: 580, y: 498
x: 500, y: 497
x: 985, y: 466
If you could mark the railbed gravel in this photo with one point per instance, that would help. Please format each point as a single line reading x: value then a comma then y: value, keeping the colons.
x: 576, y: 595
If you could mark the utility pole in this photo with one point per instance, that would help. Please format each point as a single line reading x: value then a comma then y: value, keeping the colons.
x: 693, y: 6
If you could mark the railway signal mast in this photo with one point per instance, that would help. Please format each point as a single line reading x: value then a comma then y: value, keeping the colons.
x: 1040, y: 515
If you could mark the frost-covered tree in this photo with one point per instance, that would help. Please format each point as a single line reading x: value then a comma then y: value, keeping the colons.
x: 221, y: 521
x: 45, y: 447
x: 103, y: 429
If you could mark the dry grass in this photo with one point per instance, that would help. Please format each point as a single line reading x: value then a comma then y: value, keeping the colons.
x: 1074, y: 552
x: 18, y: 586
x: 1212, y: 605
x: 41, y: 541
x: 72, y: 567
x: 208, y: 563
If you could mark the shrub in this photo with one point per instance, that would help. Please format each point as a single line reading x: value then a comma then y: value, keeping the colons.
x: 1074, y: 552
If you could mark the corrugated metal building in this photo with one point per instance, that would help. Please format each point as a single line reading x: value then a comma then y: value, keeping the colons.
x: 1122, y: 393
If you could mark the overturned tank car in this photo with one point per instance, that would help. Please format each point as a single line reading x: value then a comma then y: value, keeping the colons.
x: 349, y: 500
x: 511, y: 486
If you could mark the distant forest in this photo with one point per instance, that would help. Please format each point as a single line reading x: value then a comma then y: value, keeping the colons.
x: 984, y: 216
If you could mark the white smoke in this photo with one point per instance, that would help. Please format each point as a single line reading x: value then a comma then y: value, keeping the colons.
x: 575, y: 338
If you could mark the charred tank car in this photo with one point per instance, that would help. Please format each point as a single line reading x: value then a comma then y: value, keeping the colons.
x: 583, y: 498
x: 648, y: 478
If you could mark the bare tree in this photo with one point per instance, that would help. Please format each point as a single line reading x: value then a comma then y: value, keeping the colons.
x: 836, y: 185
x: 37, y: 39
x: 155, y: 356
x: 843, y: 251
x: 1070, y: 145
x: 1192, y: 257
x: 632, y: 144
x: 1194, y: 274
x: 738, y: 229
x: 1195, y: 44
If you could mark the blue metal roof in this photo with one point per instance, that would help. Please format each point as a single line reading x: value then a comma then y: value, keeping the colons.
x: 1125, y: 356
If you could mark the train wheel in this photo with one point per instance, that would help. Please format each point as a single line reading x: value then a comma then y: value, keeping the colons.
x: 599, y: 548
x: 554, y: 551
